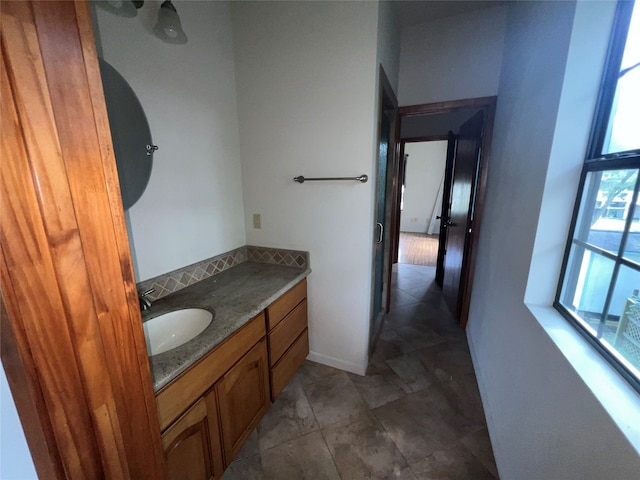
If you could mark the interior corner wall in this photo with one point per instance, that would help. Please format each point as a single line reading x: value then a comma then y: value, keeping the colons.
x: 425, y: 169
x: 452, y: 58
x: 192, y: 208
x: 306, y: 79
x: 389, y: 42
x: 543, y: 420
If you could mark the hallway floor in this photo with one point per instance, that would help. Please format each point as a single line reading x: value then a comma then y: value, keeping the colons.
x: 416, y: 415
x: 418, y: 249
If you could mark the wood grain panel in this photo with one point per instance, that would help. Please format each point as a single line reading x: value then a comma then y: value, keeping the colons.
x: 215, y: 440
x: 285, y: 333
x: 176, y: 397
x: 27, y: 395
x: 73, y: 318
x: 89, y: 188
x: 192, y: 443
x: 60, y: 222
x: 243, y: 399
x: 281, y: 307
x: 288, y: 365
x: 119, y: 225
x: 26, y: 248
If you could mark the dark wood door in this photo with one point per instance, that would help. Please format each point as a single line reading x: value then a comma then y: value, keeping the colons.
x: 459, y: 223
x: 243, y: 398
x: 446, y: 205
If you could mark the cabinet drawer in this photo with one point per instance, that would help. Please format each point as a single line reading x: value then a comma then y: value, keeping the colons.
x: 281, y: 307
x: 288, y: 365
x: 286, y: 332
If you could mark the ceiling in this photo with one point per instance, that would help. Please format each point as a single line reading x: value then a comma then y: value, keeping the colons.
x: 415, y: 12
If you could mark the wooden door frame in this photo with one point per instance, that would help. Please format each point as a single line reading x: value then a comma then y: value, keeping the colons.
x: 488, y: 105
x: 73, y: 346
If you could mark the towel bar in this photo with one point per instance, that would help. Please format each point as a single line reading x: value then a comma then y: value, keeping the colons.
x: 362, y: 178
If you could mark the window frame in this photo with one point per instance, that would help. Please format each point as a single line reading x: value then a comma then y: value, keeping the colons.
x: 595, y: 161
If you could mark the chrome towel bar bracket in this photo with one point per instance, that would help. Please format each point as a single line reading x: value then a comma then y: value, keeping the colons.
x: 362, y: 179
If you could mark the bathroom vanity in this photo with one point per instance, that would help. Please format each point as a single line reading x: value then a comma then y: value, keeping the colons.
x: 212, y: 392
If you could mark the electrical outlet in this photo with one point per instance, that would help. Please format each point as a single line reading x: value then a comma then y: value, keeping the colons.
x: 257, y: 222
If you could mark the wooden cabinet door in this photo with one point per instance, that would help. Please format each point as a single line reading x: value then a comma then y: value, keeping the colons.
x: 192, y: 443
x: 243, y: 398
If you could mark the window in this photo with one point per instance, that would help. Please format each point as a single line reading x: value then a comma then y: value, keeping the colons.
x: 599, y: 290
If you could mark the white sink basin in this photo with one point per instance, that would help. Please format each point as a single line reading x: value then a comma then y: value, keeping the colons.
x: 173, y: 329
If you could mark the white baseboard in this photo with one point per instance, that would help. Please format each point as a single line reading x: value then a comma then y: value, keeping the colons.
x: 337, y: 363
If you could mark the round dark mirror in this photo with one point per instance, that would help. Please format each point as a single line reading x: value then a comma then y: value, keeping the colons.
x: 130, y: 134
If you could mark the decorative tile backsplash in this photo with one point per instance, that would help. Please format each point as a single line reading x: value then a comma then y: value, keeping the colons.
x: 290, y: 258
x: 183, y: 277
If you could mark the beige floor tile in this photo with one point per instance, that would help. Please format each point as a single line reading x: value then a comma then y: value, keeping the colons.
x: 335, y: 399
x: 306, y: 458
x: 412, y: 372
x: 419, y: 336
x: 362, y: 449
x: 380, y: 386
x: 290, y: 417
x: 311, y: 372
x: 416, y: 431
x: 391, y: 345
x: 453, y: 463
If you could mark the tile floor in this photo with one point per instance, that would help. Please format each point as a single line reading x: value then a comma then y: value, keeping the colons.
x: 416, y: 415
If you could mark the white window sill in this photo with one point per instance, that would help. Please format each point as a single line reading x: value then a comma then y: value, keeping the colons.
x: 616, y: 396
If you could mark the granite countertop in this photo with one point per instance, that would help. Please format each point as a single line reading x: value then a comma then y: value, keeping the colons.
x: 234, y: 296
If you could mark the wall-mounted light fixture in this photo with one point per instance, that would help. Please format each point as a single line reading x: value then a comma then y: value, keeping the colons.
x: 169, y: 28
x: 122, y: 8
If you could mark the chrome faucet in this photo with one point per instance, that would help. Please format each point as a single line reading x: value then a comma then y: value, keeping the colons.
x: 145, y: 303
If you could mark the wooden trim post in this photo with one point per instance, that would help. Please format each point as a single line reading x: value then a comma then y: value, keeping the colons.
x: 73, y: 345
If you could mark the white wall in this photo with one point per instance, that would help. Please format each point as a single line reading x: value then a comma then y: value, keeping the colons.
x: 306, y: 76
x: 389, y: 42
x: 15, y: 458
x: 425, y: 168
x: 452, y: 58
x: 192, y: 208
x: 544, y: 420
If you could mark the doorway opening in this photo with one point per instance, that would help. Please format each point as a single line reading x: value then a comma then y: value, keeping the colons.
x: 440, y: 183
x: 421, y: 201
